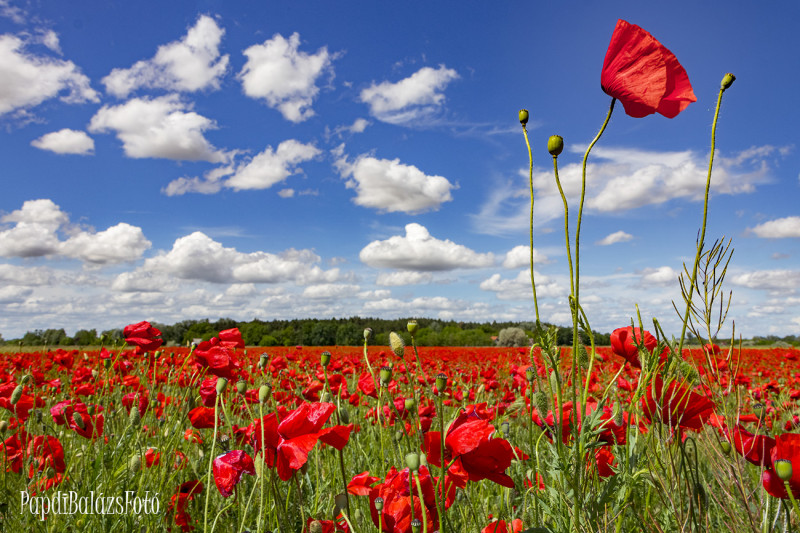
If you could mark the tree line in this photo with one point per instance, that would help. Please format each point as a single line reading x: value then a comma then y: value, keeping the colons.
x: 318, y: 332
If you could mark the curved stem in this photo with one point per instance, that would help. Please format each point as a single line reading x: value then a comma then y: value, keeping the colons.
x: 701, y: 239
x: 530, y: 185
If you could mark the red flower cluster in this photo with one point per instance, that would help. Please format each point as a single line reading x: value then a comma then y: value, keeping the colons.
x: 145, y: 337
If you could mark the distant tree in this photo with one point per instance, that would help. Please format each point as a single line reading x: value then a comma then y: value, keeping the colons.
x: 253, y: 332
x: 197, y: 331
x: 223, y: 324
x: 269, y: 340
x: 53, y: 337
x: 512, y: 336
x: 33, y: 338
x: 85, y: 337
x: 349, y: 334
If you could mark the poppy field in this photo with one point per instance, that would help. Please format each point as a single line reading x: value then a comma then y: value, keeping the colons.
x: 648, y: 434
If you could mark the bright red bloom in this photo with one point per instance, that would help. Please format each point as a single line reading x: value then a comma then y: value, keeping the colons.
x: 396, y: 512
x: 477, y: 455
x: 501, y: 526
x: 787, y: 448
x: 755, y: 449
x: 676, y: 405
x: 228, y: 469
x: 46, y: 451
x: 288, y: 443
x: 145, y: 337
x: 231, y: 338
x: 642, y: 74
x: 202, y: 417
x: 623, y: 345
x: 361, y: 484
x: 178, y: 502
x: 92, y: 425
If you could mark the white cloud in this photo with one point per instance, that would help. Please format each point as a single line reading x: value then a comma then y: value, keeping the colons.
x: 65, y: 141
x: 621, y: 179
x: 660, y: 276
x: 402, y: 277
x: 330, y: 290
x: 393, y: 186
x: 191, y: 64
x: 29, y: 80
x: 286, y: 193
x: 36, y: 233
x: 777, y: 280
x: 614, y: 238
x: 271, y: 166
x: 519, y: 288
x: 200, y: 258
x: 411, y: 98
x: 780, y: 228
x: 283, y: 76
x: 419, y: 251
x: 520, y: 256
x: 14, y: 294
x: 163, y: 127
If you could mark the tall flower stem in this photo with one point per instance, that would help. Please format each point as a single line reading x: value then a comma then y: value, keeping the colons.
x: 211, y: 462
x: 726, y: 83
x: 530, y: 185
x: 575, y: 304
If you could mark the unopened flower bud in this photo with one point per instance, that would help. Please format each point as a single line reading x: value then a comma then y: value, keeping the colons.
x: 783, y: 467
x: 135, y: 464
x: 344, y: 415
x: 3, y: 426
x: 340, y: 501
x: 25, y: 379
x: 263, y: 393
x: 505, y: 427
x: 555, y: 145
x: 50, y: 472
x: 397, y: 344
x: 78, y: 420
x: 523, y: 116
x: 725, y: 446
x: 727, y: 81
x: 221, y: 384
x: 409, y: 404
x: 367, y: 333
x: 423, y: 460
x: 412, y: 461
x: 107, y: 363
x: 530, y: 374
x: 241, y: 386
x: 541, y: 403
x: 326, y: 397
x: 412, y: 327
x: 16, y: 395
x: 325, y: 359
x: 135, y: 416
x: 91, y: 410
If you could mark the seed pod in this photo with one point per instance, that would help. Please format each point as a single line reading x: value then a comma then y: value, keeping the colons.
x: 727, y: 81
x: 505, y: 427
x: 523, y: 116
x: 783, y: 467
x: 264, y: 392
x: 325, y: 359
x: 416, y: 525
x: 241, y: 387
x: 3, y: 426
x: 397, y: 344
x: 409, y: 404
x: 378, y: 503
x: 367, y: 333
x: 386, y: 375
x: 441, y: 382
x: 326, y: 397
x: 555, y: 145
x: 340, y: 501
x: 725, y: 446
x: 412, y: 461
x: 315, y: 527
x: 423, y: 459
x: 221, y: 384
x: 412, y: 327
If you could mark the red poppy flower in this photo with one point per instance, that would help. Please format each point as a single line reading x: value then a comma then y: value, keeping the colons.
x: 178, y: 502
x: 397, y: 501
x: 231, y: 338
x: 145, y: 337
x: 361, y: 484
x: 91, y: 426
x: 501, y: 526
x: 328, y: 526
x: 228, y: 469
x: 46, y: 451
x: 676, y: 405
x: 288, y: 443
x: 623, y: 345
x: 202, y: 417
x: 642, y: 74
x: 787, y: 448
x: 755, y: 449
x: 477, y: 456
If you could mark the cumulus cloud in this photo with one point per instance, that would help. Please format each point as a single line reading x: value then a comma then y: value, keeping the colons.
x: 392, y: 186
x: 614, y: 238
x: 283, y: 76
x: 268, y: 168
x: 191, y: 64
x: 330, y: 290
x: 520, y: 256
x: 419, y: 251
x: 65, y: 141
x: 36, y: 232
x: 660, y: 276
x: 163, y: 127
x: 775, y: 280
x: 780, y: 228
x: 623, y: 179
x: 519, y: 288
x: 409, y: 99
x: 200, y: 258
x: 403, y: 277
x: 29, y: 80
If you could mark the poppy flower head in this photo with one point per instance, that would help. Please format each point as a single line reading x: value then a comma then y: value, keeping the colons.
x: 644, y: 75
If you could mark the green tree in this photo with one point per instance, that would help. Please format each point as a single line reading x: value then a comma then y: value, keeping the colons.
x: 349, y: 334
x: 84, y: 337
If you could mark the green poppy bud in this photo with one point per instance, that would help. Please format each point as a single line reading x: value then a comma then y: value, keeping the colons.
x: 397, y: 344
x: 412, y: 461
x: 541, y: 403
x: 725, y: 446
x: 367, y: 333
x: 326, y: 397
x: 727, y: 81
x: 78, y: 420
x: 505, y: 427
x: 50, y: 472
x: 135, y: 464
x: 264, y: 392
x: 412, y: 327
x: 3, y: 426
x: 783, y: 467
x: 16, y: 395
x: 325, y: 359
x: 530, y: 374
x: 409, y: 404
x: 423, y: 460
x: 221, y: 384
x: 25, y: 379
x: 135, y: 416
x: 241, y: 386
x: 759, y: 410
x: 378, y: 503
x: 344, y: 415
x: 555, y: 145
x: 107, y: 363
x: 523, y: 116
x: 90, y: 410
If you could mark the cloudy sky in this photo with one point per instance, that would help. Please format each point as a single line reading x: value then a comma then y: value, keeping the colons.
x: 172, y: 160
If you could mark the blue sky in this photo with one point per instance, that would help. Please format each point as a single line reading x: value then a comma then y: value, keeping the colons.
x: 173, y: 160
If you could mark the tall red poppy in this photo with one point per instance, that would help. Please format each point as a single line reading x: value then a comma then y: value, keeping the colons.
x: 622, y: 344
x: 641, y: 73
x: 676, y: 405
x: 395, y: 516
x: 787, y: 448
x: 145, y: 337
x: 228, y: 469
